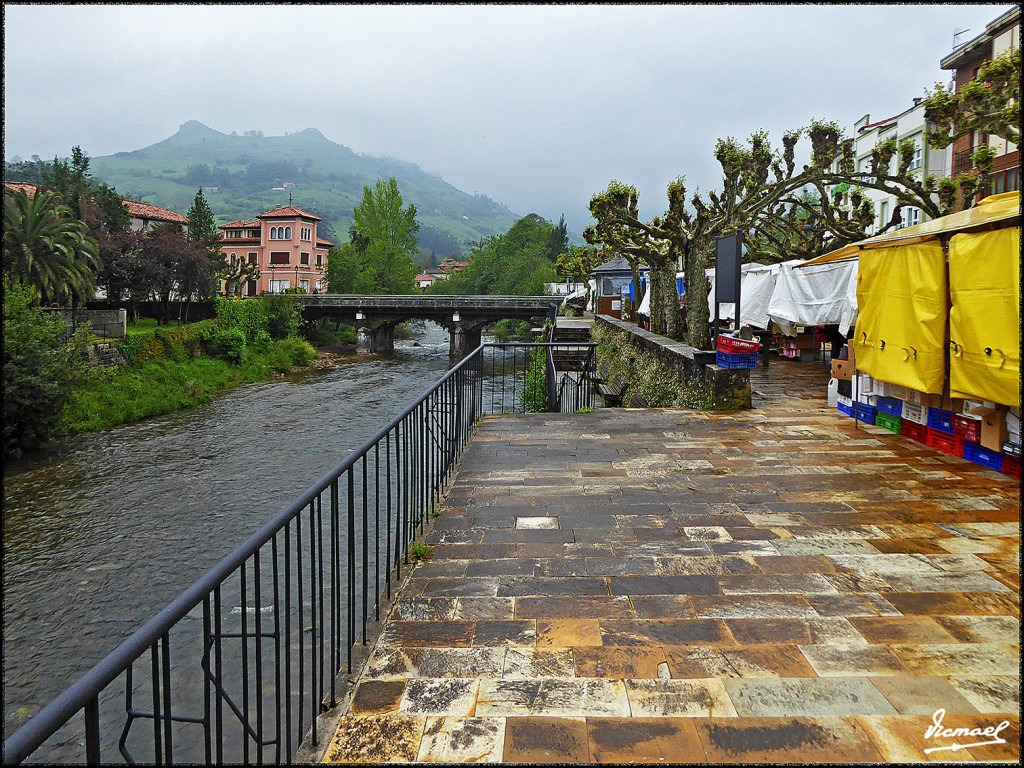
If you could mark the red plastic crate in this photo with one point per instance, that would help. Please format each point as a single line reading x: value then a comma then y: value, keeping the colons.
x: 914, y: 431
x: 967, y: 428
x: 945, y: 443
x: 1011, y: 466
x: 733, y: 345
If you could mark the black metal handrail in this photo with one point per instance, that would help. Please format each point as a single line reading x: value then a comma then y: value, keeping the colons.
x: 258, y: 684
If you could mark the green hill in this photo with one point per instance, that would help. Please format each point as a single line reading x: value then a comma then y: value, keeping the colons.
x: 322, y: 176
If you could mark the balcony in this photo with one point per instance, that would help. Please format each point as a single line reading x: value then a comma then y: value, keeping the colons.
x: 962, y: 162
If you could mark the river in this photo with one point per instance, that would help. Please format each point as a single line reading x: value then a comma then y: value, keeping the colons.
x: 103, y: 529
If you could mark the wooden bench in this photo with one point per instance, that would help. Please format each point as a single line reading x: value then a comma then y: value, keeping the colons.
x: 611, y: 395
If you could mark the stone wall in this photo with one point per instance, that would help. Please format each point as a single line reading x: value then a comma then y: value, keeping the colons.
x: 104, y: 322
x: 104, y: 355
x: 655, y: 372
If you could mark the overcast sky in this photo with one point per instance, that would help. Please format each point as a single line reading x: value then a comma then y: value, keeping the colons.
x: 538, y: 107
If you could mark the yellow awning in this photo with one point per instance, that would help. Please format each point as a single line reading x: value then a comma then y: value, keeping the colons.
x: 995, y: 209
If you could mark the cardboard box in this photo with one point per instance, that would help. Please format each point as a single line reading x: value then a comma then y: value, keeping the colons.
x: 842, y: 369
x: 807, y: 341
x: 993, y: 427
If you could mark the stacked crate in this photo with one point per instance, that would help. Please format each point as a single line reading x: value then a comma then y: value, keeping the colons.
x: 802, y: 347
x: 985, y: 433
x: 734, y: 352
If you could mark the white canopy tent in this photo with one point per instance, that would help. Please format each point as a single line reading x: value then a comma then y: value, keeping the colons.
x: 793, y: 293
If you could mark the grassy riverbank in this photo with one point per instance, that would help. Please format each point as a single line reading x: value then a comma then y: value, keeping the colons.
x: 173, y: 367
x: 116, y: 396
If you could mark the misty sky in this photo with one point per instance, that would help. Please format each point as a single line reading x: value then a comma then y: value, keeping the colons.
x: 538, y: 107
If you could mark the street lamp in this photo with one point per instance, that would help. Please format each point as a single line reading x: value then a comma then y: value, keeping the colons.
x: 273, y: 282
x: 296, y: 277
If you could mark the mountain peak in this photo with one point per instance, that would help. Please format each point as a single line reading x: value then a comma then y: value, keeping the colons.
x: 195, y: 128
x: 312, y: 133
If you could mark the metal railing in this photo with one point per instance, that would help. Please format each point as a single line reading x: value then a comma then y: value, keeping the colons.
x: 238, y: 668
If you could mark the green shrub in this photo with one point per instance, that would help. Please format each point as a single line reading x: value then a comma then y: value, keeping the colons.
x: 283, y: 316
x: 246, y: 315
x: 298, y: 351
x: 229, y: 344
x: 39, y: 369
x: 262, y: 341
x: 535, y: 392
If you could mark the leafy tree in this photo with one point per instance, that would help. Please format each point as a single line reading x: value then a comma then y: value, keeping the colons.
x: 172, y: 265
x: 378, y: 258
x: 201, y: 225
x: 40, y: 368
x: 46, y: 246
x: 91, y: 201
x: 512, y: 264
x: 577, y: 263
x: 989, y: 103
x: 558, y: 240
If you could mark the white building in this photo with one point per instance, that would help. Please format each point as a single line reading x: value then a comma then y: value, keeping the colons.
x: 909, y: 124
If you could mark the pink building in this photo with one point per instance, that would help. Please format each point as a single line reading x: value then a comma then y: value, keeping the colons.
x: 284, y: 244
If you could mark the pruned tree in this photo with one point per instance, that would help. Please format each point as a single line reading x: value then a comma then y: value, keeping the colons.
x: 576, y: 264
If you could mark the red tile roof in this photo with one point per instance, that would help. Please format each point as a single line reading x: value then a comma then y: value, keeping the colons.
x: 420, y: 277
x: 869, y: 126
x: 288, y: 210
x: 147, y: 211
x: 16, y: 186
x: 320, y: 241
x: 240, y: 224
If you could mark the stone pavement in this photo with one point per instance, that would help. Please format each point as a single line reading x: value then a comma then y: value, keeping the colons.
x: 689, y: 587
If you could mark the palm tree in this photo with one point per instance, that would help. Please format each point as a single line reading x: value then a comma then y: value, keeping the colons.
x: 46, y: 246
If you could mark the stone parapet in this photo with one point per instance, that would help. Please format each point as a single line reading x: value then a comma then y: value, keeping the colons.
x: 655, y: 372
x: 104, y: 322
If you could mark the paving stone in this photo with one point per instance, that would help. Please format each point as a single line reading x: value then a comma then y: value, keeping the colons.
x: 623, y: 740
x: 395, y: 663
x: 574, y: 607
x: 507, y: 566
x: 678, y: 698
x: 502, y: 633
x: 463, y: 740
x: 794, y: 584
x: 484, y: 608
x: 553, y: 697
x: 849, y: 661
x: 752, y: 606
x: 568, y: 632
x: 981, y: 629
x: 945, y: 582
x: 955, y: 604
x: 664, y: 585
x: 424, y: 609
x: 960, y: 659
x: 989, y: 693
x: 867, y: 604
x: 375, y: 740
x: 775, y: 660
x: 814, y: 697
x: 922, y: 695
x: 527, y: 586
x: 536, y: 522
x: 663, y: 607
x: 413, y: 634
x: 377, y: 697
x: 451, y: 696
x: 786, y: 740
x: 521, y: 663
x: 794, y: 564
x: 647, y: 632
x: 543, y: 740
x: 901, y: 740
x: 618, y: 663
x: 901, y: 629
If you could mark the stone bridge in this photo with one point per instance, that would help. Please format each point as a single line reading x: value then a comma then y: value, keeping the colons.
x: 462, y: 316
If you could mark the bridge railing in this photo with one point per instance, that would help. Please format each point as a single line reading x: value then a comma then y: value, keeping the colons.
x: 240, y: 666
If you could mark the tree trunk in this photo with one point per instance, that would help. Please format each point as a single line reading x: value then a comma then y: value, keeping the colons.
x: 670, y: 301
x: 657, y: 307
x: 697, y: 311
x: 635, y: 269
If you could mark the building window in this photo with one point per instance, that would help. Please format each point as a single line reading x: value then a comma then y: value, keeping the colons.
x: 280, y: 257
x: 883, y: 214
x: 306, y: 234
x: 279, y: 286
x: 280, y: 233
x: 319, y: 286
x: 911, y: 216
x: 319, y: 259
x: 304, y: 259
x: 1004, y: 181
x: 250, y: 287
x: 915, y: 159
x: 304, y: 285
x: 253, y: 258
x: 233, y: 233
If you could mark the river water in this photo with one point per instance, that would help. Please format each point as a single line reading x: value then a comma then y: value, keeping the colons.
x: 104, y: 529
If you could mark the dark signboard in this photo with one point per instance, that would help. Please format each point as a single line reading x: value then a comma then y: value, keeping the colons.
x: 727, y: 267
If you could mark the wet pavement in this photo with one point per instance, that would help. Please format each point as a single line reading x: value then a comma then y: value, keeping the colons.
x: 774, y: 585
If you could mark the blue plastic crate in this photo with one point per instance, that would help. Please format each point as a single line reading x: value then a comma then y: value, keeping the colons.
x: 940, y: 420
x: 845, y: 409
x: 866, y: 413
x: 891, y: 405
x: 984, y: 456
x: 742, y: 360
